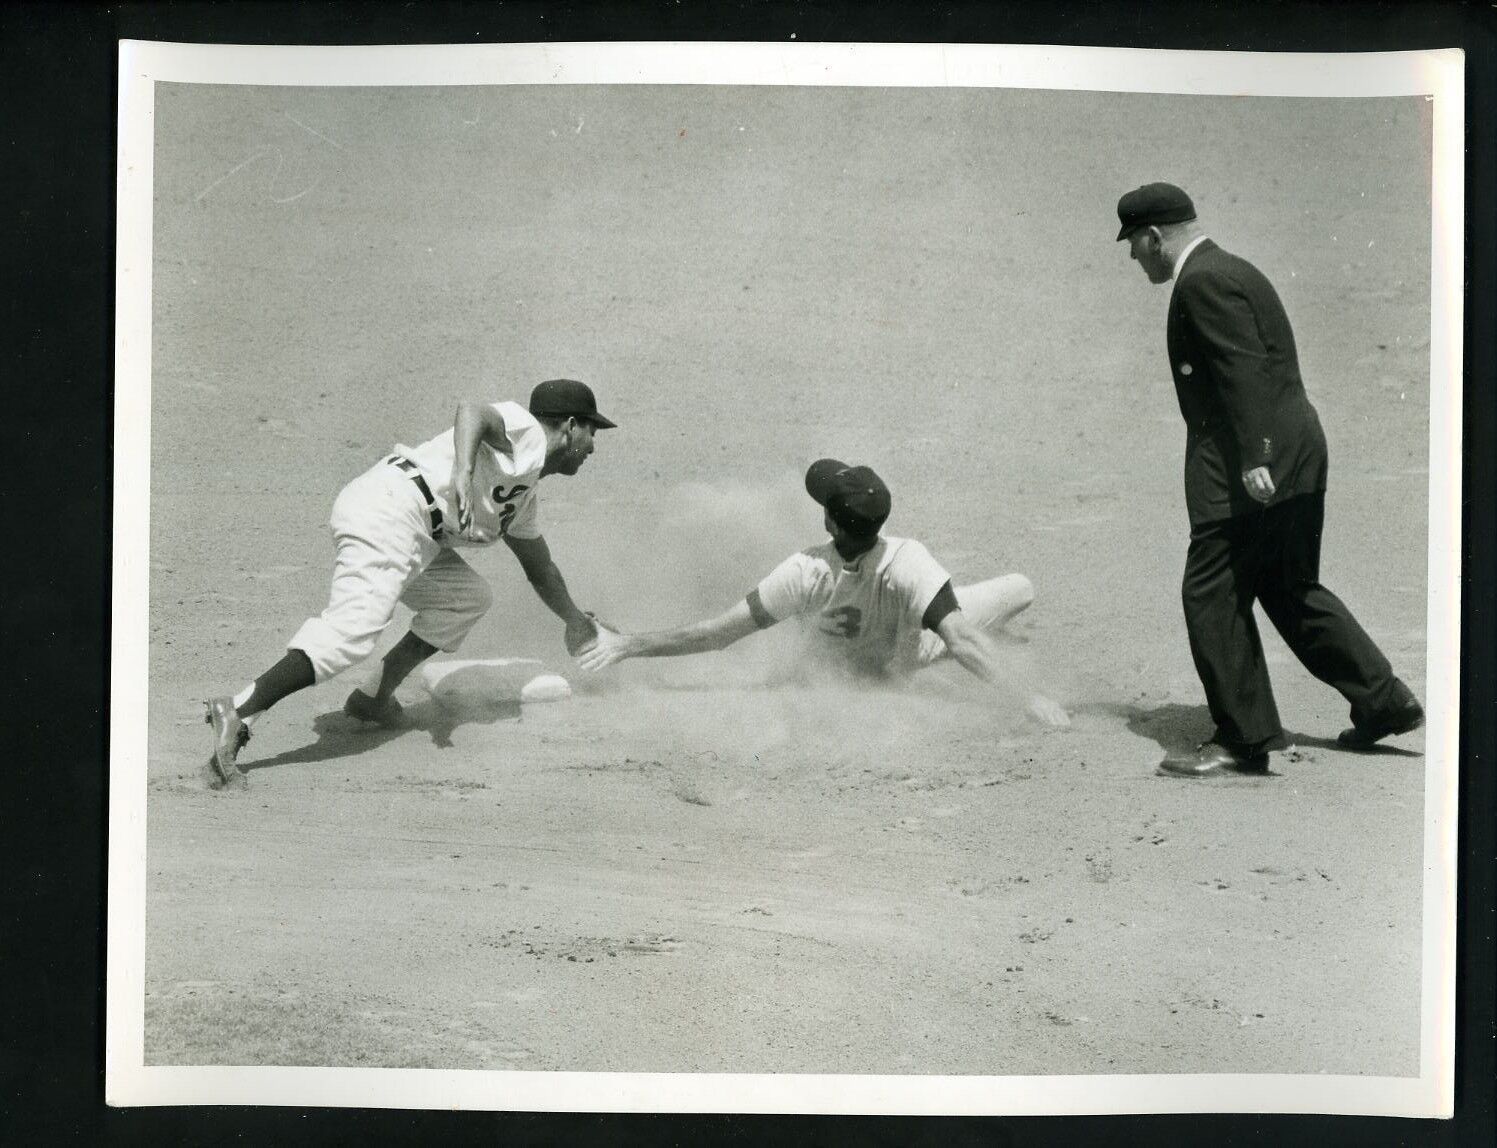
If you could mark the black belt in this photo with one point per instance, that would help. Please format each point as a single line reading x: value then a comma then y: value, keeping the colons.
x: 411, y: 470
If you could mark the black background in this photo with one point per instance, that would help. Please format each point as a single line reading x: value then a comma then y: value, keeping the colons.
x: 58, y: 83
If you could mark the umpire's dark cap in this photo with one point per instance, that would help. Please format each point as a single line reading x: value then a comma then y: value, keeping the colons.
x: 1153, y: 203
x: 567, y: 398
x: 856, y: 498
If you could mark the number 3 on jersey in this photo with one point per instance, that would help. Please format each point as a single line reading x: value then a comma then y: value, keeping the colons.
x: 845, y: 622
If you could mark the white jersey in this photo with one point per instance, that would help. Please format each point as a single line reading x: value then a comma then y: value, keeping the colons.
x: 869, y: 610
x: 504, y: 501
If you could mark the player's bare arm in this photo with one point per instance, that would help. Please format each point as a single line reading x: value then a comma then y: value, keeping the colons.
x: 545, y: 578
x: 474, y: 423
x: 977, y: 654
x: 694, y: 638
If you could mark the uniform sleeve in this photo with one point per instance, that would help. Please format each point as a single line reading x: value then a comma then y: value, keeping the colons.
x: 785, y: 590
x: 1221, y: 317
x: 527, y: 441
x: 918, y: 577
x: 941, y: 606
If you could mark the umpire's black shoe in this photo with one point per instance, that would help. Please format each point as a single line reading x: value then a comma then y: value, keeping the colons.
x: 1403, y: 720
x: 1212, y: 759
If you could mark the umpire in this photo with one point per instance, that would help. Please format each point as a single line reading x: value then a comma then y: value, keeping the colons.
x: 1255, y: 479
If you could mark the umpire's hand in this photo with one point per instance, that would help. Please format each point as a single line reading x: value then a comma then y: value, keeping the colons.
x: 1259, y: 483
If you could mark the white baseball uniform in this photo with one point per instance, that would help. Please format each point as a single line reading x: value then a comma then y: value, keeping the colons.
x: 387, y: 551
x: 504, y: 501
x: 869, y: 611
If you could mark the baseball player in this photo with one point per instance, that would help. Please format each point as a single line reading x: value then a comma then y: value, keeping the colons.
x: 880, y: 605
x: 398, y: 528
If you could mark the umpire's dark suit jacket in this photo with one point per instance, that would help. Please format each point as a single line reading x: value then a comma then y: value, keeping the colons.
x: 1237, y: 379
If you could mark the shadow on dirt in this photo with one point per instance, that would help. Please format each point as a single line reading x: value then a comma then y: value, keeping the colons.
x: 1178, y: 728
x: 339, y: 735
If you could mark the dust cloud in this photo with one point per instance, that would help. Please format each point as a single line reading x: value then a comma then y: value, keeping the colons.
x: 701, y: 549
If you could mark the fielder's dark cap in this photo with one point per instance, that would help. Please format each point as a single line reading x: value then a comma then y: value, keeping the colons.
x: 1153, y: 203
x: 567, y: 398
x: 856, y: 498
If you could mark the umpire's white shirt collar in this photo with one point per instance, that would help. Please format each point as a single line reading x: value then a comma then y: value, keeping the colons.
x: 1184, y: 255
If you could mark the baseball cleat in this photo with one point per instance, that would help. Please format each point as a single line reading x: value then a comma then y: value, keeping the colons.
x: 230, y: 735
x: 387, y: 713
x: 1405, y: 720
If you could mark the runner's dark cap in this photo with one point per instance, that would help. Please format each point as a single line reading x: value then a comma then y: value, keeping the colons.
x: 1153, y: 203
x: 567, y: 398
x: 856, y: 498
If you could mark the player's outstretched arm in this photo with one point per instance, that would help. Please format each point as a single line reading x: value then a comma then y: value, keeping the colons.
x: 695, y: 638
x: 976, y: 652
x: 545, y: 578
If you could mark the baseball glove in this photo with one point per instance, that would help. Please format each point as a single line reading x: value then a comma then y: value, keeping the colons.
x: 580, y: 634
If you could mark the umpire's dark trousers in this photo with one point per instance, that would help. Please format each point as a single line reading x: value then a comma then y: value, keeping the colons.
x: 1273, y: 557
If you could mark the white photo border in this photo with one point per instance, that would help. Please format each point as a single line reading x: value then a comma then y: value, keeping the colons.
x: 1439, y: 75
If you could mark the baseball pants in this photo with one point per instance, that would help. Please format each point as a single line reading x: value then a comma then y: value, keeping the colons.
x: 385, y: 553
x: 989, y: 604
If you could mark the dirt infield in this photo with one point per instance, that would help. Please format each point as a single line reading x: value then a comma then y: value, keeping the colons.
x: 701, y: 865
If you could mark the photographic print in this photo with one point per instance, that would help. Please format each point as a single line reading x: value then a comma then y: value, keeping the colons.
x: 786, y: 578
